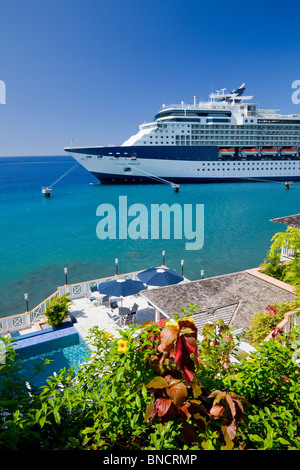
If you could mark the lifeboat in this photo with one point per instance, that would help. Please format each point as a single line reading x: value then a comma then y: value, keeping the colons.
x: 289, y: 151
x: 271, y: 151
x: 250, y: 151
x: 227, y: 151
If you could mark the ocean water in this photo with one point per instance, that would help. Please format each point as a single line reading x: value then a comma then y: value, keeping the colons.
x: 40, y: 236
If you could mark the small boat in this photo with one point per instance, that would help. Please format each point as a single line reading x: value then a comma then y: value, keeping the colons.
x: 270, y: 151
x: 289, y: 151
x: 227, y: 151
x: 250, y: 151
x: 47, y: 191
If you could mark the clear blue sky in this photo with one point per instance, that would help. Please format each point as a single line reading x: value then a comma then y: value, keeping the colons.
x: 93, y: 70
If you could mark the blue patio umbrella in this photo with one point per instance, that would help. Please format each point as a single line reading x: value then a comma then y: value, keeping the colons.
x: 120, y: 287
x: 160, y: 277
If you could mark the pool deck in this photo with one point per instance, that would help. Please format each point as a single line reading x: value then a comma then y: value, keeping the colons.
x: 88, y: 314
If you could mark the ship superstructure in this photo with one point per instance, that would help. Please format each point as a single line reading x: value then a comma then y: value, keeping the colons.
x: 227, y: 138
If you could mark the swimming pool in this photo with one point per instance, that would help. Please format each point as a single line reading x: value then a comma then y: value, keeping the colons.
x: 64, y: 352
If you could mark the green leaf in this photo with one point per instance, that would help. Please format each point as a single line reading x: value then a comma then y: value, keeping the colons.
x: 88, y: 430
x: 256, y: 438
x: 284, y: 441
x: 138, y: 400
x: 56, y: 415
x: 157, y: 382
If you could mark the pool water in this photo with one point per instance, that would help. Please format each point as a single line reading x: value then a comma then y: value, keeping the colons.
x: 63, y: 353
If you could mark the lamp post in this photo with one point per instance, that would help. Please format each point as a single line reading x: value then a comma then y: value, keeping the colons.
x: 26, y: 302
x: 117, y: 266
x: 66, y: 276
x: 163, y: 255
x: 182, y: 264
x: 202, y: 273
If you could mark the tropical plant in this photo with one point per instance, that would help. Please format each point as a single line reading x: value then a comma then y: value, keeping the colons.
x: 273, y: 267
x: 157, y: 387
x: 57, y: 310
x: 263, y: 323
x: 290, y: 238
x: 269, y: 381
x: 292, y: 273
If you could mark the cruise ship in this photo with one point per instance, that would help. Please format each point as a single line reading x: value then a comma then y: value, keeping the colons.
x: 225, y: 139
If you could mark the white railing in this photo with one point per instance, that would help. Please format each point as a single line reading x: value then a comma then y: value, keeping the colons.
x: 287, y: 253
x: 25, y: 320
x: 291, y: 319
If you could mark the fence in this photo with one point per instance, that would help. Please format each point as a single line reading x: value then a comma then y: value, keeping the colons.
x: 290, y: 320
x: 25, y: 320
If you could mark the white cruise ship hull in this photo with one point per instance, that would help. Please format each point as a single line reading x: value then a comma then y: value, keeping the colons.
x: 110, y: 169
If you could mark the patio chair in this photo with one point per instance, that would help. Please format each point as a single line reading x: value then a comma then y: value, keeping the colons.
x: 113, y: 317
x: 93, y: 296
x: 105, y: 300
x: 113, y: 304
x: 130, y: 317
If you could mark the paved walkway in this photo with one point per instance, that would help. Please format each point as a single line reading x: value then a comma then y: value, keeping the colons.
x: 89, y: 315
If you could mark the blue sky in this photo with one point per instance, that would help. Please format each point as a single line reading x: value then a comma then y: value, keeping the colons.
x: 93, y: 70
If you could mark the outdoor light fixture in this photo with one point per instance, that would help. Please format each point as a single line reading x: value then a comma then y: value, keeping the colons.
x: 182, y: 263
x: 117, y: 266
x: 163, y: 255
x: 66, y: 275
x: 26, y: 302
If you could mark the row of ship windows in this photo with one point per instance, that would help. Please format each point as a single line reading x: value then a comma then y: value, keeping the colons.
x: 222, y: 136
x: 195, y: 134
x: 222, y: 142
x: 232, y: 127
x: 248, y: 169
x: 232, y: 168
x: 285, y: 163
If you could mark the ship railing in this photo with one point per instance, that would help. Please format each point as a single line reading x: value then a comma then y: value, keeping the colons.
x: 201, y: 105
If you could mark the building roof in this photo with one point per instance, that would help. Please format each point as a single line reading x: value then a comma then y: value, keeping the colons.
x: 290, y: 220
x: 233, y: 297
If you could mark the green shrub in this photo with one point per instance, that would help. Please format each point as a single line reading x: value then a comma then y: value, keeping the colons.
x: 263, y: 323
x: 273, y: 267
x: 57, y: 310
x: 156, y: 387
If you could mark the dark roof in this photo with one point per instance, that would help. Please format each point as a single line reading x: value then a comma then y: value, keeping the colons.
x: 233, y: 297
x: 290, y: 220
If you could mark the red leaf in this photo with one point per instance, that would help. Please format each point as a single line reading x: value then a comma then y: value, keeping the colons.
x: 162, y: 406
x: 188, y: 433
x: 178, y: 351
x: 187, y: 328
x: 177, y: 392
x: 189, y: 376
x: 229, y: 430
x: 217, y: 411
x: 167, y: 336
x: 161, y: 323
x: 231, y: 405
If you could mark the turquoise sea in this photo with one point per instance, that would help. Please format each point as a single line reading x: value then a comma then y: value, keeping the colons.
x: 40, y: 236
